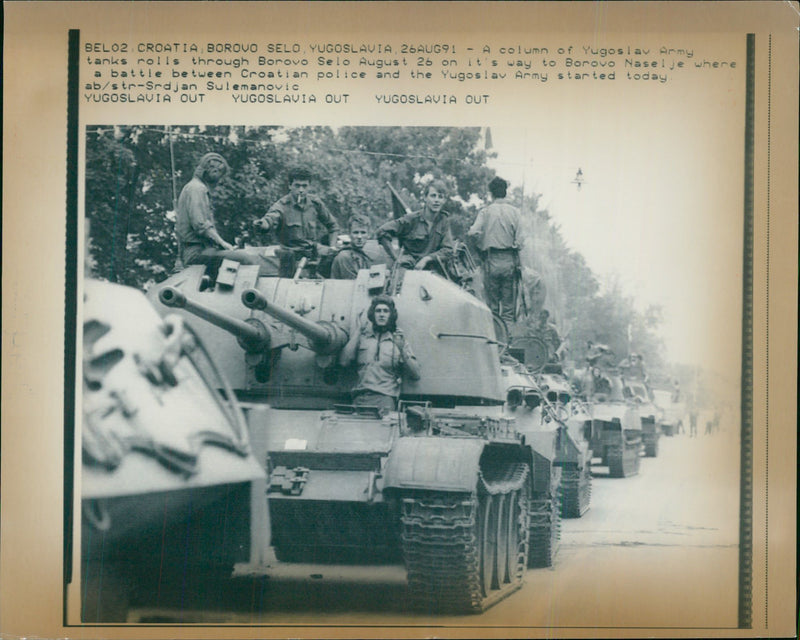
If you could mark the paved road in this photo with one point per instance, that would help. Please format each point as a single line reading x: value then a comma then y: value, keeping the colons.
x: 655, y: 551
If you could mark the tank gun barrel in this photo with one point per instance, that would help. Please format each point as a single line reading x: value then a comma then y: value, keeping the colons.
x: 324, y: 338
x: 252, y: 335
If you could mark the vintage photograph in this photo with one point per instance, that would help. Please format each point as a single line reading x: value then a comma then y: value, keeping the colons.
x: 399, y: 320
x: 356, y: 370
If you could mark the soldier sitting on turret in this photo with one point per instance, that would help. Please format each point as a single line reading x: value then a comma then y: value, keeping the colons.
x: 198, y: 239
x: 352, y: 258
x: 382, y: 355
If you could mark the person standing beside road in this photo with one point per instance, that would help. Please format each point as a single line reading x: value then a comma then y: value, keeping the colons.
x: 382, y: 354
x: 299, y: 219
x: 497, y: 230
x: 350, y: 260
x: 199, y: 241
x: 424, y: 236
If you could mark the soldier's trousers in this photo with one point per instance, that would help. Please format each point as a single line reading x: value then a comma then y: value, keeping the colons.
x: 499, y: 274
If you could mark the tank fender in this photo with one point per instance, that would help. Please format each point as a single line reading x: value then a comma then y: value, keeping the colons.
x: 444, y: 464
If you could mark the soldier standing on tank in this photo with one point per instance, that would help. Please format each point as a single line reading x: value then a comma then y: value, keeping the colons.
x: 497, y: 230
x: 548, y: 332
x: 424, y: 236
x: 300, y: 219
x: 351, y: 259
x: 382, y: 354
x: 199, y: 241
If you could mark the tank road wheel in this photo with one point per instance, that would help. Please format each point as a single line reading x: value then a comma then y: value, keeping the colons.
x: 576, y: 490
x: 544, y: 531
x: 464, y: 553
x: 489, y: 524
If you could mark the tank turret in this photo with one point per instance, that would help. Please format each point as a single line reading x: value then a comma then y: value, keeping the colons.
x: 276, y: 338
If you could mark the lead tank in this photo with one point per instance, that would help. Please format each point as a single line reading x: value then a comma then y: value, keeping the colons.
x: 450, y: 484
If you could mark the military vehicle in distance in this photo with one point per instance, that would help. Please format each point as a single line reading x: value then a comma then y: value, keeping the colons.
x: 616, y: 425
x: 450, y: 484
x: 542, y: 399
x: 672, y: 411
x: 166, y: 466
x: 649, y: 413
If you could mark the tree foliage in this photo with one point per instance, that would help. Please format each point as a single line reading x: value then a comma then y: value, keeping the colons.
x: 135, y: 173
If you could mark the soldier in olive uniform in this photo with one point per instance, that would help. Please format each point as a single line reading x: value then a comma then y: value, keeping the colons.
x: 299, y: 219
x: 352, y: 258
x: 199, y: 242
x: 424, y: 236
x: 497, y: 230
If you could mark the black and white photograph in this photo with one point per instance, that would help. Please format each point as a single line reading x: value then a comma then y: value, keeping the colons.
x: 457, y: 329
x: 273, y: 265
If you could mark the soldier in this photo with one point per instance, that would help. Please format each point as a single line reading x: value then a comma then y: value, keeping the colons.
x: 548, y: 332
x: 299, y: 219
x: 497, y: 230
x: 351, y: 259
x: 424, y: 236
x: 198, y: 239
x: 382, y: 355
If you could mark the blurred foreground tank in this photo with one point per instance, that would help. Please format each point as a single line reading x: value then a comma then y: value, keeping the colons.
x: 450, y: 484
x: 167, y: 469
x: 616, y: 426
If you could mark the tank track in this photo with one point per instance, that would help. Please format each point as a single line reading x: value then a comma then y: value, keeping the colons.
x: 623, y: 460
x: 463, y: 553
x: 651, y: 445
x: 544, y: 533
x: 576, y: 490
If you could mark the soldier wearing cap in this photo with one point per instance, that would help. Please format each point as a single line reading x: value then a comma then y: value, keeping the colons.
x: 199, y: 241
x: 497, y: 230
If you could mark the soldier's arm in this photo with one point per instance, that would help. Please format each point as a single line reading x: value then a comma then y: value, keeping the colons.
x: 349, y: 350
x: 201, y: 219
x: 386, y: 232
x: 477, y: 227
x: 410, y: 363
x: 271, y: 219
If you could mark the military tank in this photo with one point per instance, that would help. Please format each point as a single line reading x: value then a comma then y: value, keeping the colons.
x: 539, y: 394
x: 449, y: 484
x: 649, y: 413
x: 166, y: 467
x: 672, y: 411
x: 616, y: 426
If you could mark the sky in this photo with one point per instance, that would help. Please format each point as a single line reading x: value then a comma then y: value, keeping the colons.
x: 660, y: 208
